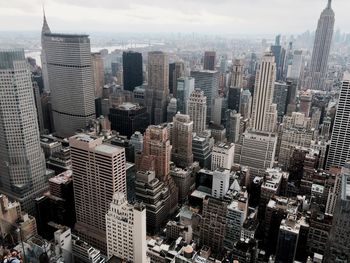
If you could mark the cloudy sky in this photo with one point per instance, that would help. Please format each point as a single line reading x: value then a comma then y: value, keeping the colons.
x: 246, y: 17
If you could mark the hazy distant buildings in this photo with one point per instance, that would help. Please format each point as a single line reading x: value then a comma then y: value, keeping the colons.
x: 209, y: 60
x: 339, y: 150
x: 132, y: 70
x: 22, y: 162
x: 69, y: 64
x: 322, y: 46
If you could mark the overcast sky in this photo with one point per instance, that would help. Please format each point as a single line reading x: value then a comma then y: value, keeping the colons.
x: 205, y: 16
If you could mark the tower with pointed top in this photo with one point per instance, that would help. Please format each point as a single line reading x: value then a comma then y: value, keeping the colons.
x: 322, y: 46
x: 44, y: 30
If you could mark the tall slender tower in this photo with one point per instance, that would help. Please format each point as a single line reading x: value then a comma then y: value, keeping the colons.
x: 45, y: 30
x: 71, y: 81
x: 158, y: 82
x: 339, y: 150
x: 132, y: 70
x: 182, y: 140
x: 322, y: 46
x: 197, y: 109
x: 234, y: 93
x: 22, y: 162
x: 263, y: 93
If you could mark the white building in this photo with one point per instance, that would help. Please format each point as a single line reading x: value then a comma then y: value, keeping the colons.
x: 126, y: 230
x: 339, y: 150
x: 263, y: 92
x: 222, y: 156
x: 197, y: 109
x: 221, y: 182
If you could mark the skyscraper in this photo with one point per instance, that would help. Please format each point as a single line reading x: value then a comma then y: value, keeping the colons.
x: 338, y: 243
x: 158, y: 83
x: 197, y: 109
x: 339, y: 150
x: 322, y: 46
x: 209, y: 60
x: 99, y: 77
x: 263, y: 92
x: 126, y: 230
x: 176, y: 70
x: 182, y: 154
x: 22, y: 162
x: 185, y: 86
x: 44, y: 30
x: 99, y: 172
x: 71, y: 81
x: 234, y: 93
x: 208, y: 81
x: 132, y: 70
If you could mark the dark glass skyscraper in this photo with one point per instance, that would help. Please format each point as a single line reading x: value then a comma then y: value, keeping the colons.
x: 132, y: 70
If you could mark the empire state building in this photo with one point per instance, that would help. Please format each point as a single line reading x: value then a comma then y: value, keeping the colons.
x: 322, y: 45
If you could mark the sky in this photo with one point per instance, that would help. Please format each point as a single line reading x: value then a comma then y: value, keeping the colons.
x: 243, y: 17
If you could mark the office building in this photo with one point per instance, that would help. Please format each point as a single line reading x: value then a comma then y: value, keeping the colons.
x: 182, y: 154
x: 208, y: 81
x: 132, y: 70
x: 339, y: 150
x: 83, y: 252
x: 202, y: 146
x: 22, y: 161
x: 137, y: 141
x: 185, y: 87
x: 279, y: 54
x: 171, y: 109
x: 69, y: 64
x: 305, y: 102
x: 184, y: 179
x: 280, y: 98
x: 338, y: 243
x: 234, y: 94
x: 233, y: 124
x: 99, y: 172
x: 212, y: 235
x: 296, y: 68
x: 176, y: 70
x: 127, y: 118
x: 256, y: 150
x: 158, y: 83
x: 221, y: 182
x: 126, y: 230
x: 321, y: 49
x: 209, y: 60
x: 263, y: 92
x: 222, y: 156
x: 99, y: 76
x: 246, y: 104
x: 197, y: 110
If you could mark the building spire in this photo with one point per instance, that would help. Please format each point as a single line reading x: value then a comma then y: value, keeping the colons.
x: 329, y: 5
x: 45, y: 28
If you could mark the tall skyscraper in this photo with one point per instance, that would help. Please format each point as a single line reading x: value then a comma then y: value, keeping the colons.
x: 297, y: 66
x: 132, y: 70
x: 44, y: 30
x: 197, y: 109
x: 279, y: 53
x: 22, y: 162
x: 338, y: 243
x: 263, y: 92
x: 322, y: 46
x: 234, y: 93
x: 71, y: 81
x: 208, y: 81
x: 99, y: 171
x: 185, y: 86
x: 126, y: 230
x: 182, y: 154
x: 237, y: 74
x: 158, y: 83
x: 176, y: 70
x: 339, y: 150
x: 209, y: 60
x: 99, y: 77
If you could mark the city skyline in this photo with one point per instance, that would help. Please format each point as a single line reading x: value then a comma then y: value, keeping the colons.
x: 228, y: 17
